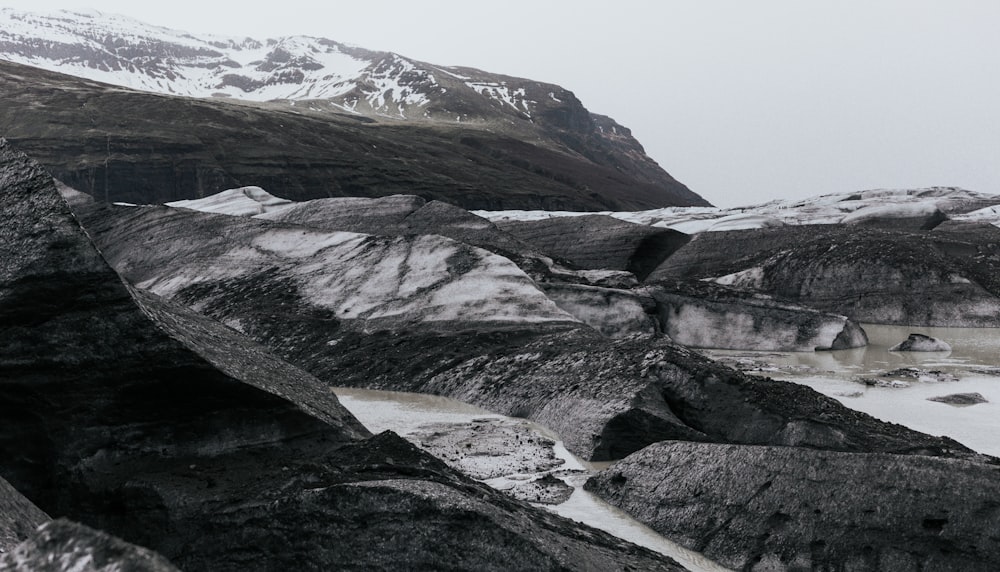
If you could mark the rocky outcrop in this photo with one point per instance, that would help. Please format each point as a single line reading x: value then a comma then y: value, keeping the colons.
x: 599, y: 242
x: 18, y: 517
x: 703, y: 315
x: 921, y: 343
x: 867, y: 274
x: 139, y: 417
x: 784, y: 508
x: 62, y: 545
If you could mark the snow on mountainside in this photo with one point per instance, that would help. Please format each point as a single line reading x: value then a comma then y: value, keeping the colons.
x: 122, y: 51
x: 839, y: 208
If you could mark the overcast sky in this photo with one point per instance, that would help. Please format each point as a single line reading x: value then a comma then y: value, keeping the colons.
x: 743, y: 101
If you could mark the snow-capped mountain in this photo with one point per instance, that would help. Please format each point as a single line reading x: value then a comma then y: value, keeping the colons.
x: 316, y: 75
x: 122, y: 51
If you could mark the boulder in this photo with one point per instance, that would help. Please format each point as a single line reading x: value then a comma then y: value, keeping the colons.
x: 921, y: 343
x: 139, y: 417
x: 791, y: 508
x: 61, y: 545
x: 960, y: 399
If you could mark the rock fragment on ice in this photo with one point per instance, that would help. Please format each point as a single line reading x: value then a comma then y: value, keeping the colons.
x: 960, y: 399
x: 921, y: 343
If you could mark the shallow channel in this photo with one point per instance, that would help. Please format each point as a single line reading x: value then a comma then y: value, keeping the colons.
x: 972, y: 366
x: 409, y: 414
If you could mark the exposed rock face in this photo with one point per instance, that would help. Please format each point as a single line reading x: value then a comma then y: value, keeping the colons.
x: 18, y: 517
x: 702, y: 315
x: 782, y: 508
x: 921, y: 343
x: 134, y: 415
x: 155, y: 149
x: 62, y: 545
x: 960, y: 399
x: 599, y: 242
x: 870, y: 275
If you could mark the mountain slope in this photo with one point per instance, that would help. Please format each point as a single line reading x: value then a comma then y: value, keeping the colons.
x: 528, y: 126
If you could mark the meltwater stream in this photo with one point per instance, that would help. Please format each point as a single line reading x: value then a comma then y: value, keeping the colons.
x: 413, y: 414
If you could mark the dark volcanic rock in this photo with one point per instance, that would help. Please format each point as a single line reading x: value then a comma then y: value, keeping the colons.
x: 129, y: 413
x: 122, y: 145
x: 703, y: 315
x: 785, y: 508
x: 62, y: 545
x: 868, y: 274
x: 600, y: 241
x: 960, y: 399
x: 18, y: 517
x: 921, y: 343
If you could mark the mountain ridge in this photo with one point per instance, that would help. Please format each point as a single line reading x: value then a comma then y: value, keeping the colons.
x: 326, y: 78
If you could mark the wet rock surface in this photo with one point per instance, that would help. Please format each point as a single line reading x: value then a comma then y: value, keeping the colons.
x: 784, y: 508
x: 62, y: 545
x: 136, y: 416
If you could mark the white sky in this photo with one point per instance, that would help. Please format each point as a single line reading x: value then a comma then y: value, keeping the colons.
x: 743, y: 101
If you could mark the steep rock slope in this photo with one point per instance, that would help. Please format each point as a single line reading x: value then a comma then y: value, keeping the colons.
x: 18, y: 517
x: 137, y: 416
x: 781, y: 508
x: 62, y: 545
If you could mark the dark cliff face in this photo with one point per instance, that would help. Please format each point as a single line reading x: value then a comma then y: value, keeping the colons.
x: 121, y: 145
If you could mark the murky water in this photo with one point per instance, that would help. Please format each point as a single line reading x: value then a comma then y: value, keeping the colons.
x: 409, y: 413
x: 974, y: 361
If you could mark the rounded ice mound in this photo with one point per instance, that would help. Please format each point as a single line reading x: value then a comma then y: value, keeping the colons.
x: 921, y: 343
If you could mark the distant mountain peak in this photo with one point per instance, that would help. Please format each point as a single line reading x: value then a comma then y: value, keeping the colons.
x: 325, y: 76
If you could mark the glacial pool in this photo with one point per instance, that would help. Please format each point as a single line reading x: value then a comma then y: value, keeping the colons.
x: 412, y: 414
x: 973, y: 366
